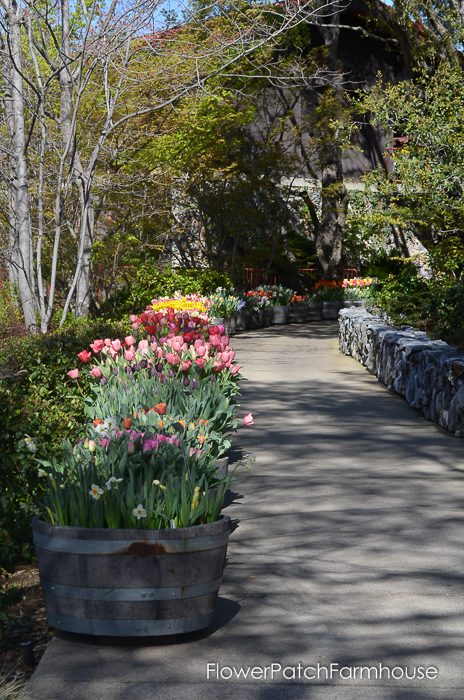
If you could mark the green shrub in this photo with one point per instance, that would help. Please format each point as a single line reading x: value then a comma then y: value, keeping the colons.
x: 150, y: 283
x: 39, y: 407
x: 435, y: 306
x: 404, y: 297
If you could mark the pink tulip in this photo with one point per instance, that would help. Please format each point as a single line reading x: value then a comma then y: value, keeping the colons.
x: 129, y: 341
x: 235, y: 369
x: 248, y: 419
x: 185, y: 365
x: 133, y: 318
x: 173, y: 358
x: 215, y: 341
x: 150, y: 444
x: 160, y: 353
x: 97, y: 345
x: 96, y: 372
x: 116, y: 345
x: 201, y: 350
x: 84, y: 356
x: 107, y: 342
x: 73, y: 373
x: 129, y: 354
x: 218, y: 366
x: 176, y: 343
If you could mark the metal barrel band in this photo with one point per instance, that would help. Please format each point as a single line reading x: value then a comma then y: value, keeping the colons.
x: 131, y: 594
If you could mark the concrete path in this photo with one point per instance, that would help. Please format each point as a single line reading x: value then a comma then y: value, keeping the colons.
x: 349, y: 549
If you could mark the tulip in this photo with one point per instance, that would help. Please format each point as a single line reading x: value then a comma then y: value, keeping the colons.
x: 116, y: 345
x: 97, y: 345
x: 129, y: 341
x: 161, y: 409
x: 84, y: 356
x: 248, y: 419
x: 129, y: 354
x: 73, y: 373
x: 173, y: 358
x: 96, y: 372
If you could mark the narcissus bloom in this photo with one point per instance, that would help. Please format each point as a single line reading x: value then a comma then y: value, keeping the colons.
x: 112, y: 481
x: 139, y: 512
x: 95, y: 491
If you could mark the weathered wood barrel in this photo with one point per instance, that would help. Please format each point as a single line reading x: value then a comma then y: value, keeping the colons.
x: 122, y: 582
x: 299, y: 312
x: 280, y: 314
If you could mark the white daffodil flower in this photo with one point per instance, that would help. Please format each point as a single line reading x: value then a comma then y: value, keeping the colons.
x: 112, y: 481
x: 139, y: 512
x: 96, y: 491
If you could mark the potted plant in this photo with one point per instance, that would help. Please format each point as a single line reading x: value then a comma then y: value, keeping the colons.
x: 223, y: 308
x: 131, y: 541
x: 330, y: 294
x: 280, y: 298
x: 299, y: 310
x: 356, y: 290
x: 257, y: 301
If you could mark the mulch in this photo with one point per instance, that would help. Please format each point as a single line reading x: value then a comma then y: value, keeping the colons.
x: 26, y: 621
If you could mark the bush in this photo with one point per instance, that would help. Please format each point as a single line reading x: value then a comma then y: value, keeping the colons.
x: 435, y: 306
x: 150, y: 283
x: 39, y: 407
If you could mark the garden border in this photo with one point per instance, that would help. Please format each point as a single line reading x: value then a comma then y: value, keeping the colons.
x: 429, y: 374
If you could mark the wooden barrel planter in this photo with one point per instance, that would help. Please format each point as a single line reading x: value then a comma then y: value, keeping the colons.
x: 330, y: 309
x: 315, y: 310
x: 299, y: 313
x: 280, y: 314
x: 122, y: 582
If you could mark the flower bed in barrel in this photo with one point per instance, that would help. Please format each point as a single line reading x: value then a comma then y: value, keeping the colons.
x: 131, y: 540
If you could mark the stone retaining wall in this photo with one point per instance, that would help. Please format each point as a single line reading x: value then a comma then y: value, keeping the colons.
x: 428, y: 373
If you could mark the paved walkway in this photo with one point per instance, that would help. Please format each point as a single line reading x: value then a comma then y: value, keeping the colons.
x: 349, y: 550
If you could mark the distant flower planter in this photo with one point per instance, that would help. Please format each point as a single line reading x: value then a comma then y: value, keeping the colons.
x: 230, y: 324
x: 299, y: 312
x: 280, y: 314
x: 315, y: 310
x: 359, y: 303
x: 241, y: 321
x: 330, y: 309
x: 266, y: 316
x: 121, y: 582
x: 347, y: 304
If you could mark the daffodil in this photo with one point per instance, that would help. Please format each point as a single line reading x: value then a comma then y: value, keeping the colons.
x: 96, y: 491
x: 139, y: 512
x: 112, y: 481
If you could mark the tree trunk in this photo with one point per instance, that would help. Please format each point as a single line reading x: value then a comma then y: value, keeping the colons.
x: 21, y: 237
x: 334, y: 196
x: 68, y: 131
x: 334, y: 207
